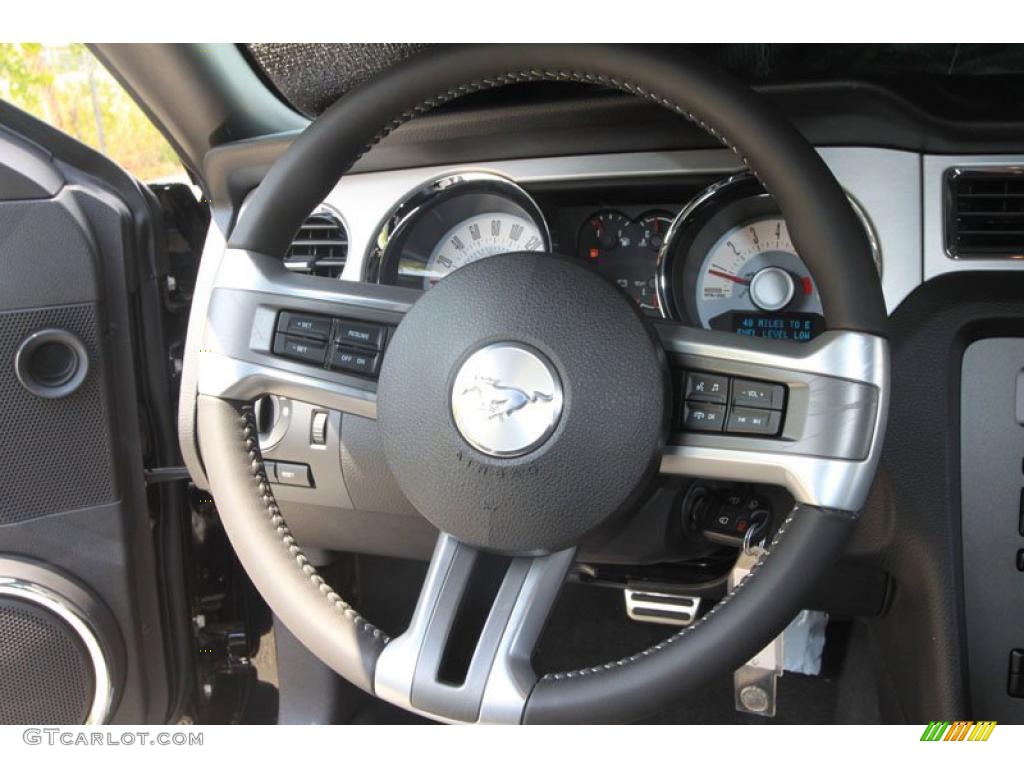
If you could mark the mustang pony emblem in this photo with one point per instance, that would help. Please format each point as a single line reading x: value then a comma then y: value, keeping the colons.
x: 499, y: 400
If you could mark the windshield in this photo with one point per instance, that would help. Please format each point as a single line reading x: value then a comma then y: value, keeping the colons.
x: 312, y: 76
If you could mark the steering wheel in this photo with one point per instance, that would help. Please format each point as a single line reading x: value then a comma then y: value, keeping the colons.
x: 586, y: 430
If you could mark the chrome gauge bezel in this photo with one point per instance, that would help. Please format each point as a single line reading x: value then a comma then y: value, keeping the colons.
x: 400, y: 223
x: 698, y: 213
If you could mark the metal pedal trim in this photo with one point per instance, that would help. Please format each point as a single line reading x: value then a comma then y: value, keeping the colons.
x: 661, y: 607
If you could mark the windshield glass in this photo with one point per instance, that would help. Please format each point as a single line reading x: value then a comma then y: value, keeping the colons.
x: 312, y: 76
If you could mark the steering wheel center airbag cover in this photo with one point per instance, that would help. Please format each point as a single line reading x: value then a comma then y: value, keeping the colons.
x: 550, y: 488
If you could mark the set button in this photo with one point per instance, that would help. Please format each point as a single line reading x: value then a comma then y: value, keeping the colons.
x: 298, y: 348
x: 309, y: 326
x: 341, y: 344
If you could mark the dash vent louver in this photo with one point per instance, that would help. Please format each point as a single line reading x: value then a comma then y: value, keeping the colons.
x: 320, y: 247
x: 985, y: 213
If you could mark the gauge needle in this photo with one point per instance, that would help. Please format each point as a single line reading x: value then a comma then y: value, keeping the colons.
x: 727, y: 276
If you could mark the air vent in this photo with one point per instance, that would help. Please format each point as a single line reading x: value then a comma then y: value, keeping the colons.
x: 320, y: 246
x: 985, y: 213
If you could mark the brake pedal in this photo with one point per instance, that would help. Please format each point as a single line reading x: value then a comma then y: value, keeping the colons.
x: 661, y: 607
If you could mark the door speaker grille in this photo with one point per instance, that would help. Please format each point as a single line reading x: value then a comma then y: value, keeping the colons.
x: 46, y: 674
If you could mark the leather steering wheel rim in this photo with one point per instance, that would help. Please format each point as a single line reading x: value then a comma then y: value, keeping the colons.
x: 825, y: 231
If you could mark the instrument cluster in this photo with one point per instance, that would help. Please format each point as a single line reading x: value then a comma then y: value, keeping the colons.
x: 724, y: 260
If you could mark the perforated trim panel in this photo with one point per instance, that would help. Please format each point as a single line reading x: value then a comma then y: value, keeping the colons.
x: 55, y: 452
x: 46, y: 675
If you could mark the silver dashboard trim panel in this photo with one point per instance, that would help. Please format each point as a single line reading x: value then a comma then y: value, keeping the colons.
x: 234, y: 379
x: 816, y: 471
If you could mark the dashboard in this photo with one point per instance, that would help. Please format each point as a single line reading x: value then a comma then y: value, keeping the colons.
x: 718, y: 257
x: 662, y: 226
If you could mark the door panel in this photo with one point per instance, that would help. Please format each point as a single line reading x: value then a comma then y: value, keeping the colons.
x: 77, y: 560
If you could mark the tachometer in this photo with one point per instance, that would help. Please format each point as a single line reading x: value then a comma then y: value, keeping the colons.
x: 753, y: 282
x: 729, y: 264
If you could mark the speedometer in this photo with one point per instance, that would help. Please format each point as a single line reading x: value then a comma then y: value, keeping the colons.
x: 454, y: 221
x: 480, y: 236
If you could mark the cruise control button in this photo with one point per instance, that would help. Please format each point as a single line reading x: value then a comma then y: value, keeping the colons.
x: 753, y: 421
x: 757, y: 394
x: 361, y: 334
x: 311, y: 326
x: 355, y: 361
x: 703, y: 417
x: 706, y: 388
x: 293, y: 474
x: 307, y: 350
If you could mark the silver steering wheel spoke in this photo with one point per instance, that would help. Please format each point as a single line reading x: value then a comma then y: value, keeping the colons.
x: 831, y: 427
x: 499, y: 677
x: 236, y: 355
